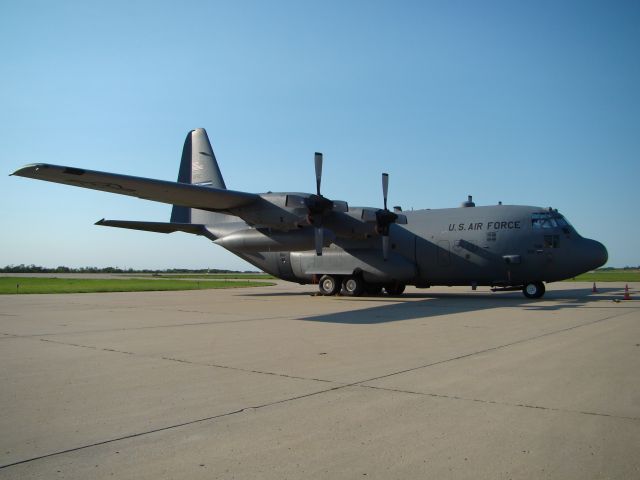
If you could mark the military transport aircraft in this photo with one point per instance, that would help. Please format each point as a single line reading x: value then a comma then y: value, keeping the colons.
x: 308, y: 238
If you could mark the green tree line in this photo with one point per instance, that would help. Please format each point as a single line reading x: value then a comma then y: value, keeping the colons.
x: 22, y: 268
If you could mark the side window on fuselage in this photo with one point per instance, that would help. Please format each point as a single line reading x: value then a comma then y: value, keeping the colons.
x: 551, y: 241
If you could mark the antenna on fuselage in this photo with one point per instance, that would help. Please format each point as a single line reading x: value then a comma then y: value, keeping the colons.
x: 468, y: 203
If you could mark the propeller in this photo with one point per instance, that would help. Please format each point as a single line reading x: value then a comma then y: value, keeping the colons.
x: 384, y: 218
x: 318, y: 206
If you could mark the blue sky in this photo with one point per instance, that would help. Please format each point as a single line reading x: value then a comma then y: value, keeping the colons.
x: 533, y: 103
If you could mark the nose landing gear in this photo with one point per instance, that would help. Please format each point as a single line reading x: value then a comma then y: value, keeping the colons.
x: 533, y: 289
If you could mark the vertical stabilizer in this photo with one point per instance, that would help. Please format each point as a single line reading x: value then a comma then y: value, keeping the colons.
x: 199, y: 167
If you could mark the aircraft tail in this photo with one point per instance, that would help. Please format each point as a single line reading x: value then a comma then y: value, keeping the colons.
x: 198, y: 166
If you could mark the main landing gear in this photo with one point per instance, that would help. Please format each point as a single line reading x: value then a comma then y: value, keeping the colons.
x: 329, y: 285
x: 355, y: 286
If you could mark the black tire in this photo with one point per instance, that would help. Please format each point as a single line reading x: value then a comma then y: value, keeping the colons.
x: 353, y: 286
x: 328, y: 285
x: 533, y: 289
x: 394, y: 289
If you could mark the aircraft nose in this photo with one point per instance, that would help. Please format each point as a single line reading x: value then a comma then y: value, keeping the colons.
x: 597, y: 253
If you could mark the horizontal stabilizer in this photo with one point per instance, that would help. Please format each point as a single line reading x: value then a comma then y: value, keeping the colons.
x: 158, y: 227
x: 188, y: 195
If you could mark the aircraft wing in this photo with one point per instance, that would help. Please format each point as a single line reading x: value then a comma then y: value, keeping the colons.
x: 174, y: 193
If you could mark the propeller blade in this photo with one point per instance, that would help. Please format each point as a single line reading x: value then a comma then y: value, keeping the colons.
x: 318, y: 240
x: 318, y: 161
x: 385, y: 247
x: 385, y: 188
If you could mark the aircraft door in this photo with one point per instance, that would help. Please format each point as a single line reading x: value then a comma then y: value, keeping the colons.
x: 547, y: 248
x: 285, y: 270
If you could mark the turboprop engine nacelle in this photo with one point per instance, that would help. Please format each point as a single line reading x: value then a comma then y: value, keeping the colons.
x: 262, y: 240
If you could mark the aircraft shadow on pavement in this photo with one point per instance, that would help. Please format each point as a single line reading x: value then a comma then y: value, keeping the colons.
x: 439, y: 304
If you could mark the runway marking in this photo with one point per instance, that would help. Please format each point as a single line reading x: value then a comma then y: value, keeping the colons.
x: 332, y: 389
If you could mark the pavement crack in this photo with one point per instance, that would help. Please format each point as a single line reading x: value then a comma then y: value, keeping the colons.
x: 112, y: 440
x: 248, y: 370
x: 149, y: 327
x: 170, y: 427
x: 492, y: 349
x: 190, y: 362
x: 333, y: 387
x: 496, y: 402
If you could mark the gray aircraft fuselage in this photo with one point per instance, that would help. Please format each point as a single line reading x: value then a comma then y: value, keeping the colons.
x: 498, y: 245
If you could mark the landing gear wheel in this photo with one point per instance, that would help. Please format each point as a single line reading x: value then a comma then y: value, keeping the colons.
x: 353, y: 286
x: 328, y: 285
x: 533, y: 289
x: 394, y: 289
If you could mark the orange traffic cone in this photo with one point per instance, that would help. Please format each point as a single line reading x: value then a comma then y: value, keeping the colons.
x: 594, y: 289
x: 626, y: 292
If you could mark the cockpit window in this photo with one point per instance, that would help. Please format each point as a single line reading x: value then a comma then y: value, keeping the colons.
x: 548, y: 220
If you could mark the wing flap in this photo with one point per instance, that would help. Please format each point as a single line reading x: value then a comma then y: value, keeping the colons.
x: 187, y: 195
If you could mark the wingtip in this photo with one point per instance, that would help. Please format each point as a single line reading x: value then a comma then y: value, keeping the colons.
x: 30, y: 168
x: 18, y: 171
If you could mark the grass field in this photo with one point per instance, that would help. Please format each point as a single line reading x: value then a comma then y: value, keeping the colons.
x: 24, y: 285
x: 608, y: 276
x: 217, y: 276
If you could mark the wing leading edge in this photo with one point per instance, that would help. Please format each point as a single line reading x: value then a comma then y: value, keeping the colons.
x: 187, y: 195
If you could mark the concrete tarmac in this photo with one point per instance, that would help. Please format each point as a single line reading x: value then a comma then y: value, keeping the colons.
x: 275, y: 383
